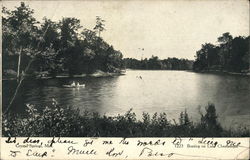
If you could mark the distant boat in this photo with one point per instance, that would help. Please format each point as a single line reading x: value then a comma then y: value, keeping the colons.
x: 74, y: 86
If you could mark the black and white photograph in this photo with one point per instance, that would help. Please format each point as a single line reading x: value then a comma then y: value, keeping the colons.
x: 128, y: 68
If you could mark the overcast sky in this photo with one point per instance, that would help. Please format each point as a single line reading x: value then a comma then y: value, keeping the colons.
x: 162, y: 28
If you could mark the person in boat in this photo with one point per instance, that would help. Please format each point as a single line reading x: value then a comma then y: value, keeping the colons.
x: 73, y: 83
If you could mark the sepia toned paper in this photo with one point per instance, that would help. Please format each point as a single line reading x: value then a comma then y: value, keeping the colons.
x: 142, y: 29
x: 126, y: 148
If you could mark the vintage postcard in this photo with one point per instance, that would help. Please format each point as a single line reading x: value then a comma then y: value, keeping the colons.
x: 128, y: 79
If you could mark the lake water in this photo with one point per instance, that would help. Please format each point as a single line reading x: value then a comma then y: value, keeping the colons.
x: 157, y: 91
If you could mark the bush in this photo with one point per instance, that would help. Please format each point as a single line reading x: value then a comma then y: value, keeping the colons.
x: 66, y: 122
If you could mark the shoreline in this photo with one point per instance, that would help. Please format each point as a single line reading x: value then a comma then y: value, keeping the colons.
x: 100, y: 74
x: 97, y: 74
x: 222, y: 72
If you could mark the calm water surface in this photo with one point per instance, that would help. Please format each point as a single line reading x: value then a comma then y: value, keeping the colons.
x: 157, y: 91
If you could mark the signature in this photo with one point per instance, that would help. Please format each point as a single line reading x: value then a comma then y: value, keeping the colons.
x: 151, y: 153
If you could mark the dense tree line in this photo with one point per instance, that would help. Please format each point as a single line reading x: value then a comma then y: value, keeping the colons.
x: 154, y: 63
x: 231, y: 54
x: 55, y: 47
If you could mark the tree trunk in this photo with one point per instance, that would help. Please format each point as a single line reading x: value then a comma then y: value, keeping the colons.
x: 19, y: 64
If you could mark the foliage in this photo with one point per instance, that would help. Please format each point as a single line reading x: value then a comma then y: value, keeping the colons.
x: 154, y: 63
x: 232, y: 54
x: 55, y: 120
x: 20, y: 35
x: 55, y: 47
x: 99, y: 27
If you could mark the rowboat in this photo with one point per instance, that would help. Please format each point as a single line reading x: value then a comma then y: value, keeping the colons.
x: 74, y: 86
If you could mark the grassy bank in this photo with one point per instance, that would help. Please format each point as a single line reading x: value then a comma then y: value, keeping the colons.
x: 58, y: 121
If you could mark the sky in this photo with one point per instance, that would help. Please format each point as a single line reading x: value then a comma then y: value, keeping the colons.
x: 163, y: 28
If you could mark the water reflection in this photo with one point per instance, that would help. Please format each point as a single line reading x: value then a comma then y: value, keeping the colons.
x: 156, y: 91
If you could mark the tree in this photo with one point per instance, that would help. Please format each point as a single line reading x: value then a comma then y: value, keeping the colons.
x: 89, y: 37
x: 49, y: 48
x: 51, y: 35
x: 69, y: 31
x: 225, y: 49
x: 54, y: 47
x: 209, y: 120
x: 240, y: 54
x: 99, y: 27
x: 232, y: 54
x: 20, y: 33
x: 155, y: 63
x: 114, y: 59
x: 69, y: 43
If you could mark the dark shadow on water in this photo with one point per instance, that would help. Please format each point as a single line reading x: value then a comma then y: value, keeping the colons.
x: 40, y: 93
